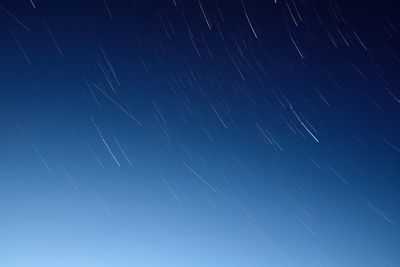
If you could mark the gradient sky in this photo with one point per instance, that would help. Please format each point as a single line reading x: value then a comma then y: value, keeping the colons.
x: 194, y: 133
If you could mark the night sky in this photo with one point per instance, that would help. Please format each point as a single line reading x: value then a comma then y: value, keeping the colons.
x: 199, y: 133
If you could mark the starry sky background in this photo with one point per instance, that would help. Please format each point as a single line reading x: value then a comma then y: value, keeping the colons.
x: 199, y: 133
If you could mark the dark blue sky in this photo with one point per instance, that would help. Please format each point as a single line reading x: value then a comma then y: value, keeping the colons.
x: 199, y: 133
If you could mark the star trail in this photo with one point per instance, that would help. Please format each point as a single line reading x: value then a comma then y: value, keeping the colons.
x: 199, y: 133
